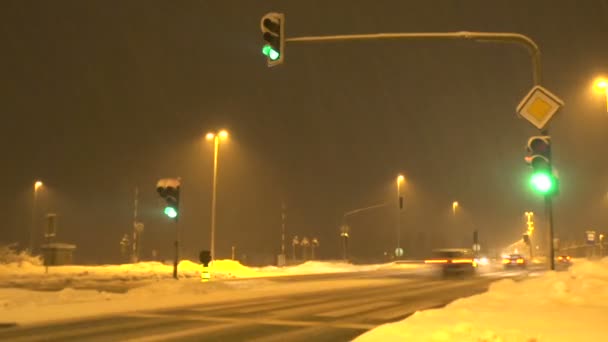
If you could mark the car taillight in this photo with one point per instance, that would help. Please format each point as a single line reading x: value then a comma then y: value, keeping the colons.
x: 520, y: 261
x: 506, y: 261
x: 560, y: 258
x: 462, y: 261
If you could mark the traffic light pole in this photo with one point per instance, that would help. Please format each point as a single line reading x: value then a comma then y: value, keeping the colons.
x: 504, y: 37
x: 549, y: 213
x: 498, y: 37
x: 549, y: 208
x: 176, y: 260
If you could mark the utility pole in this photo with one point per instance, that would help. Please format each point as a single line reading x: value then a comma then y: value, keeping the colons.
x: 281, y: 261
x: 135, y: 239
x: 49, y: 234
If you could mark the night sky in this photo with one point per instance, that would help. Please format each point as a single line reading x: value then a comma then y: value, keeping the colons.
x: 99, y: 97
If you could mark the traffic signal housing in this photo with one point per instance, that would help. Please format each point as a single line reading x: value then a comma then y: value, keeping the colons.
x: 542, y: 180
x: 168, y: 189
x: 273, y: 33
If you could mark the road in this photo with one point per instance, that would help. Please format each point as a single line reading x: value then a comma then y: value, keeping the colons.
x: 329, y: 314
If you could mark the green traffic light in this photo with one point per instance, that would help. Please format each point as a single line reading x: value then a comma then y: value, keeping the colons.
x: 273, y: 54
x: 542, y: 182
x: 171, y: 212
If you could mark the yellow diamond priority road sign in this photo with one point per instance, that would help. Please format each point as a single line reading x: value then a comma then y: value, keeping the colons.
x: 539, y: 106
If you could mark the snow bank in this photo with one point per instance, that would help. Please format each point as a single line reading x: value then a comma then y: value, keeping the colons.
x: 81, y: 291
x: 24, y: 307
x: 9, y: 255
x: 122, y: 277
x: 557, y: 306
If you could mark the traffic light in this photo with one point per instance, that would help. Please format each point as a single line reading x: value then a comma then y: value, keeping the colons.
x: 168, y: 188
x: 526, y: 239
x: 273, y: 33
x: 542, y: 180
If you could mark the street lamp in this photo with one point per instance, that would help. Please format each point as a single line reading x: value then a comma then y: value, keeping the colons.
x: 400, y: 180
x: 216, y: 137
x: 601, y: 85
x: 454, y: 207
x: 37, y: 185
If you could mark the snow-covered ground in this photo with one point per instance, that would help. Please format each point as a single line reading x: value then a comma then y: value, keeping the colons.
x: 122, y: 277
x: 556, y: 306
x: 153, y: 287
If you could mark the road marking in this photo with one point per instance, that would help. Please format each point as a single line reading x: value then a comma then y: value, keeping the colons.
x: 63, y: 334
x: 265, y: 321
x: 226, y: 306
x: 362, y: 298
x: 400, y: 311
x: 281, y: 304
x: 355, y: 309
x: 182, y: 333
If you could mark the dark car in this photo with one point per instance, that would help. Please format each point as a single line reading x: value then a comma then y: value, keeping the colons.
x: 454, y: 261
x: 514, y: 261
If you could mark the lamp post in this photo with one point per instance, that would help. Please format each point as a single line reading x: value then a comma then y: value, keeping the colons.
x: 37, y: 185
x: 454, y: 207
x: 601, y: 85
x: 400, y: 180
x: 216, y: 137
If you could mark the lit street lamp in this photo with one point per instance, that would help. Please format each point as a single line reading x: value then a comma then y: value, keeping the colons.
x: 601, y: 85
x: 454, y: 207
x: 37, y: 185
x: 216, y: 137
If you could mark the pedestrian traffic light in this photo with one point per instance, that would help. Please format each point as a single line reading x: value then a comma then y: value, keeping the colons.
x: 542, y: 180
x: 168, y: 188
x: 273, y: 33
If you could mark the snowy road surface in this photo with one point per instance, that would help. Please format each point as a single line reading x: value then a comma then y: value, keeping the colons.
x: 330, y: 313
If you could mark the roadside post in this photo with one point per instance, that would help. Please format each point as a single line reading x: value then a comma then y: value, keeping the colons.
x: 205, y: 259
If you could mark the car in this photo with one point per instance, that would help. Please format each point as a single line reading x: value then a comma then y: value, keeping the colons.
x: 454, y: 261
x: 482, y: 261
x: 565, y: 260
x: 512, y: 261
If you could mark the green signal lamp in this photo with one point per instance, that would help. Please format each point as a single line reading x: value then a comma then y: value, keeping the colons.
x: 271, y: 53
x: 171, y: 212
x: 542, y: 182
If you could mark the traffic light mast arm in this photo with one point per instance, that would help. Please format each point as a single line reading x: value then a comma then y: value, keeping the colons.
x: 363, y: 209
x: 476, y: 36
